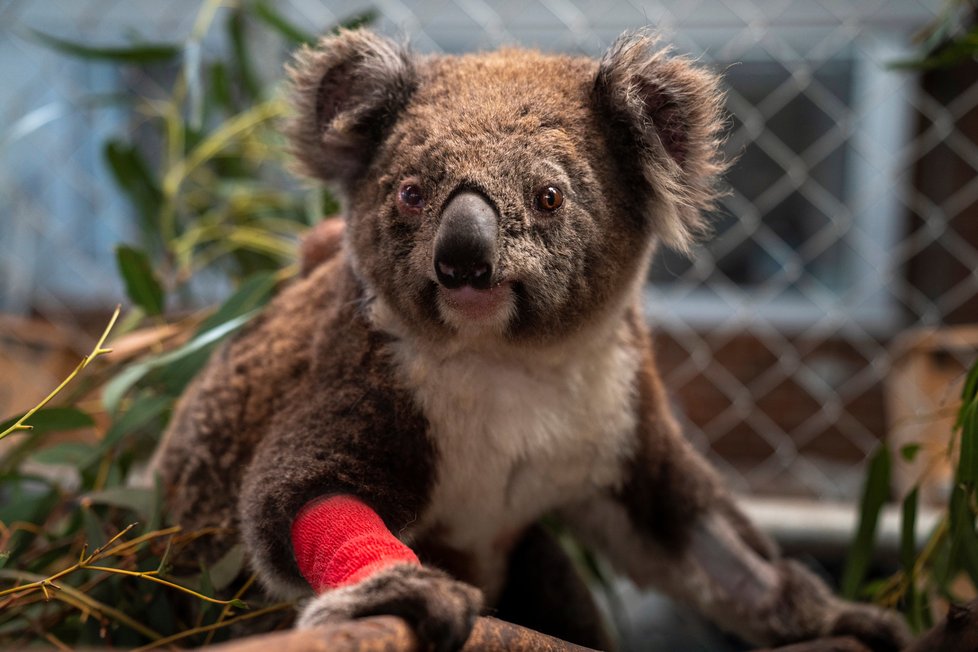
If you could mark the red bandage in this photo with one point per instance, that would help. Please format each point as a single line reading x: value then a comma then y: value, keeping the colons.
x: 339, y: 541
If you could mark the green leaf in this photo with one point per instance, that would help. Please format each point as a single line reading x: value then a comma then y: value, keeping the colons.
x: 227, y: 568
x: 242, y: 61
x: 875, y: 493
x: 54, y: 419
x: 969, y: 392
x: 95, y: 534
x: 117, y: 388
x: 143, y: 411
x: 27, y: 499
x: 254, y: 292
x: 909, y: 452
x: 220, y: 87
x: 919, y: 611
x: 968, y: 456
x: 140, y: 500
x: 140, y: 53
x: 142, y: 285
x: 964, y: 542
x: 275, y: 20
x: 133, y: 176
x: 908, y: 532
x: 961, y: 49
x: 356, y: 21
x: 73, y: 453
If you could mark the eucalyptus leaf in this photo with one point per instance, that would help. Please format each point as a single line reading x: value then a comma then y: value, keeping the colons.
x: 242, y: 59
x: 254, y: 292
x: 908, y: 531
x: 117, y: 388
x: 968, y: 454
x: 969, y: 392
x: 142, y: 412
x: 963, y: 48
x: 133, y: 176
x: 72, y: 453
x: 219, y: 86
x: 94, y: 529
x: 909, y: 452
x: 227, y: 568
x: 140, y: 53
x: 964, y: 543
x: 139, y: 500
x: 875, y: 493
x: 357, y: 21
x: 26, y: 499
x: 142, y: 285
x: 54, y: 419
x: 297, y: 36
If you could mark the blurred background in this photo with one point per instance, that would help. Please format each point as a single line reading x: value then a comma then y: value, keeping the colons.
x: 835, y: 308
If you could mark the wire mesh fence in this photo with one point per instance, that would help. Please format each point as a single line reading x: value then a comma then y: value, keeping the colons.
x: 828, y: 312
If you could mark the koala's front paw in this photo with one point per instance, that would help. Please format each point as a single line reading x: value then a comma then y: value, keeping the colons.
x: 441, y: 610
x: 881, y: 630
x: 815, y: 612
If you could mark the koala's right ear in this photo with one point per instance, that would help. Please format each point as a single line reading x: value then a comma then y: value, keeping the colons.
x: 346, y: 92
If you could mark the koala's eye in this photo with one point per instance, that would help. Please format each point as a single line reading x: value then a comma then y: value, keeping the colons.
x: 549, y: 199
x: 410, y: 197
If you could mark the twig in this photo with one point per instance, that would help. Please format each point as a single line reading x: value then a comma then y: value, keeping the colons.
x: 88, y: 605
x: 213, y: 626
x: 227, y: 608
x: 86, y: 563
x: 151, y: 576
x: 56, y: 642
x: 21, y: 424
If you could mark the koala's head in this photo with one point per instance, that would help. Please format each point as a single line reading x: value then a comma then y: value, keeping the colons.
x: 510, y: 194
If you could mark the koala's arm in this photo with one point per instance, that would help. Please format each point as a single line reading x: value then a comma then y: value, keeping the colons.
x: 344, y: 467
x: 671, y: 525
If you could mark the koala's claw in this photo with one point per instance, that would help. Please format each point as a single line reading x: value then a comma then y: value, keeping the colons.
x: 441, y: 610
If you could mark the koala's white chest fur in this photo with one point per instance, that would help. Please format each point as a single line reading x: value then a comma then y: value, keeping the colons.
x: 518, y: 435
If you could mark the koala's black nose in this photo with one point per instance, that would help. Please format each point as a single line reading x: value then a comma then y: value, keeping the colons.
x: 465, y: 245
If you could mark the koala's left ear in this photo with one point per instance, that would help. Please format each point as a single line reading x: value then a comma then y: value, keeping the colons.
x: 666, y: 113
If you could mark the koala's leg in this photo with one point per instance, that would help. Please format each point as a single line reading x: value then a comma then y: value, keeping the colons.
x: 764, y: 600
x: 672, y: 525
x: 543, y: 591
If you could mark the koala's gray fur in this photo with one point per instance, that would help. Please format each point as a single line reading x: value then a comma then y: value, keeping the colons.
x: 463, y: 426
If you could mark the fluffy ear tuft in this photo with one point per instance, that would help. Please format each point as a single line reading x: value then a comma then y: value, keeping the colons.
x: 671, y: 113
x: 346, y: 92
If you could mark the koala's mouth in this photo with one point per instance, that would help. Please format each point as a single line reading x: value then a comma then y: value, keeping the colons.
x: 491, y: 305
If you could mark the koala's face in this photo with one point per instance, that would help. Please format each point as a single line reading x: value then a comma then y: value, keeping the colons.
x: 508, y: 194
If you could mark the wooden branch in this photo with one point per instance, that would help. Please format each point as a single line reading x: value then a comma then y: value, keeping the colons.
x: 837, y: 644
x: 957, y: 633
x: 390, y: 634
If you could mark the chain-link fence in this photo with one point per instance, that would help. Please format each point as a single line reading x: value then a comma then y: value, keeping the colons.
x: 791, y: 340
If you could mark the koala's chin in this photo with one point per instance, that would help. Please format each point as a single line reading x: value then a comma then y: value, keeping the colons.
x: 473, y: 312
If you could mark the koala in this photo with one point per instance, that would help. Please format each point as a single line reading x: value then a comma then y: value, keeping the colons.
x: 465, y: 353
